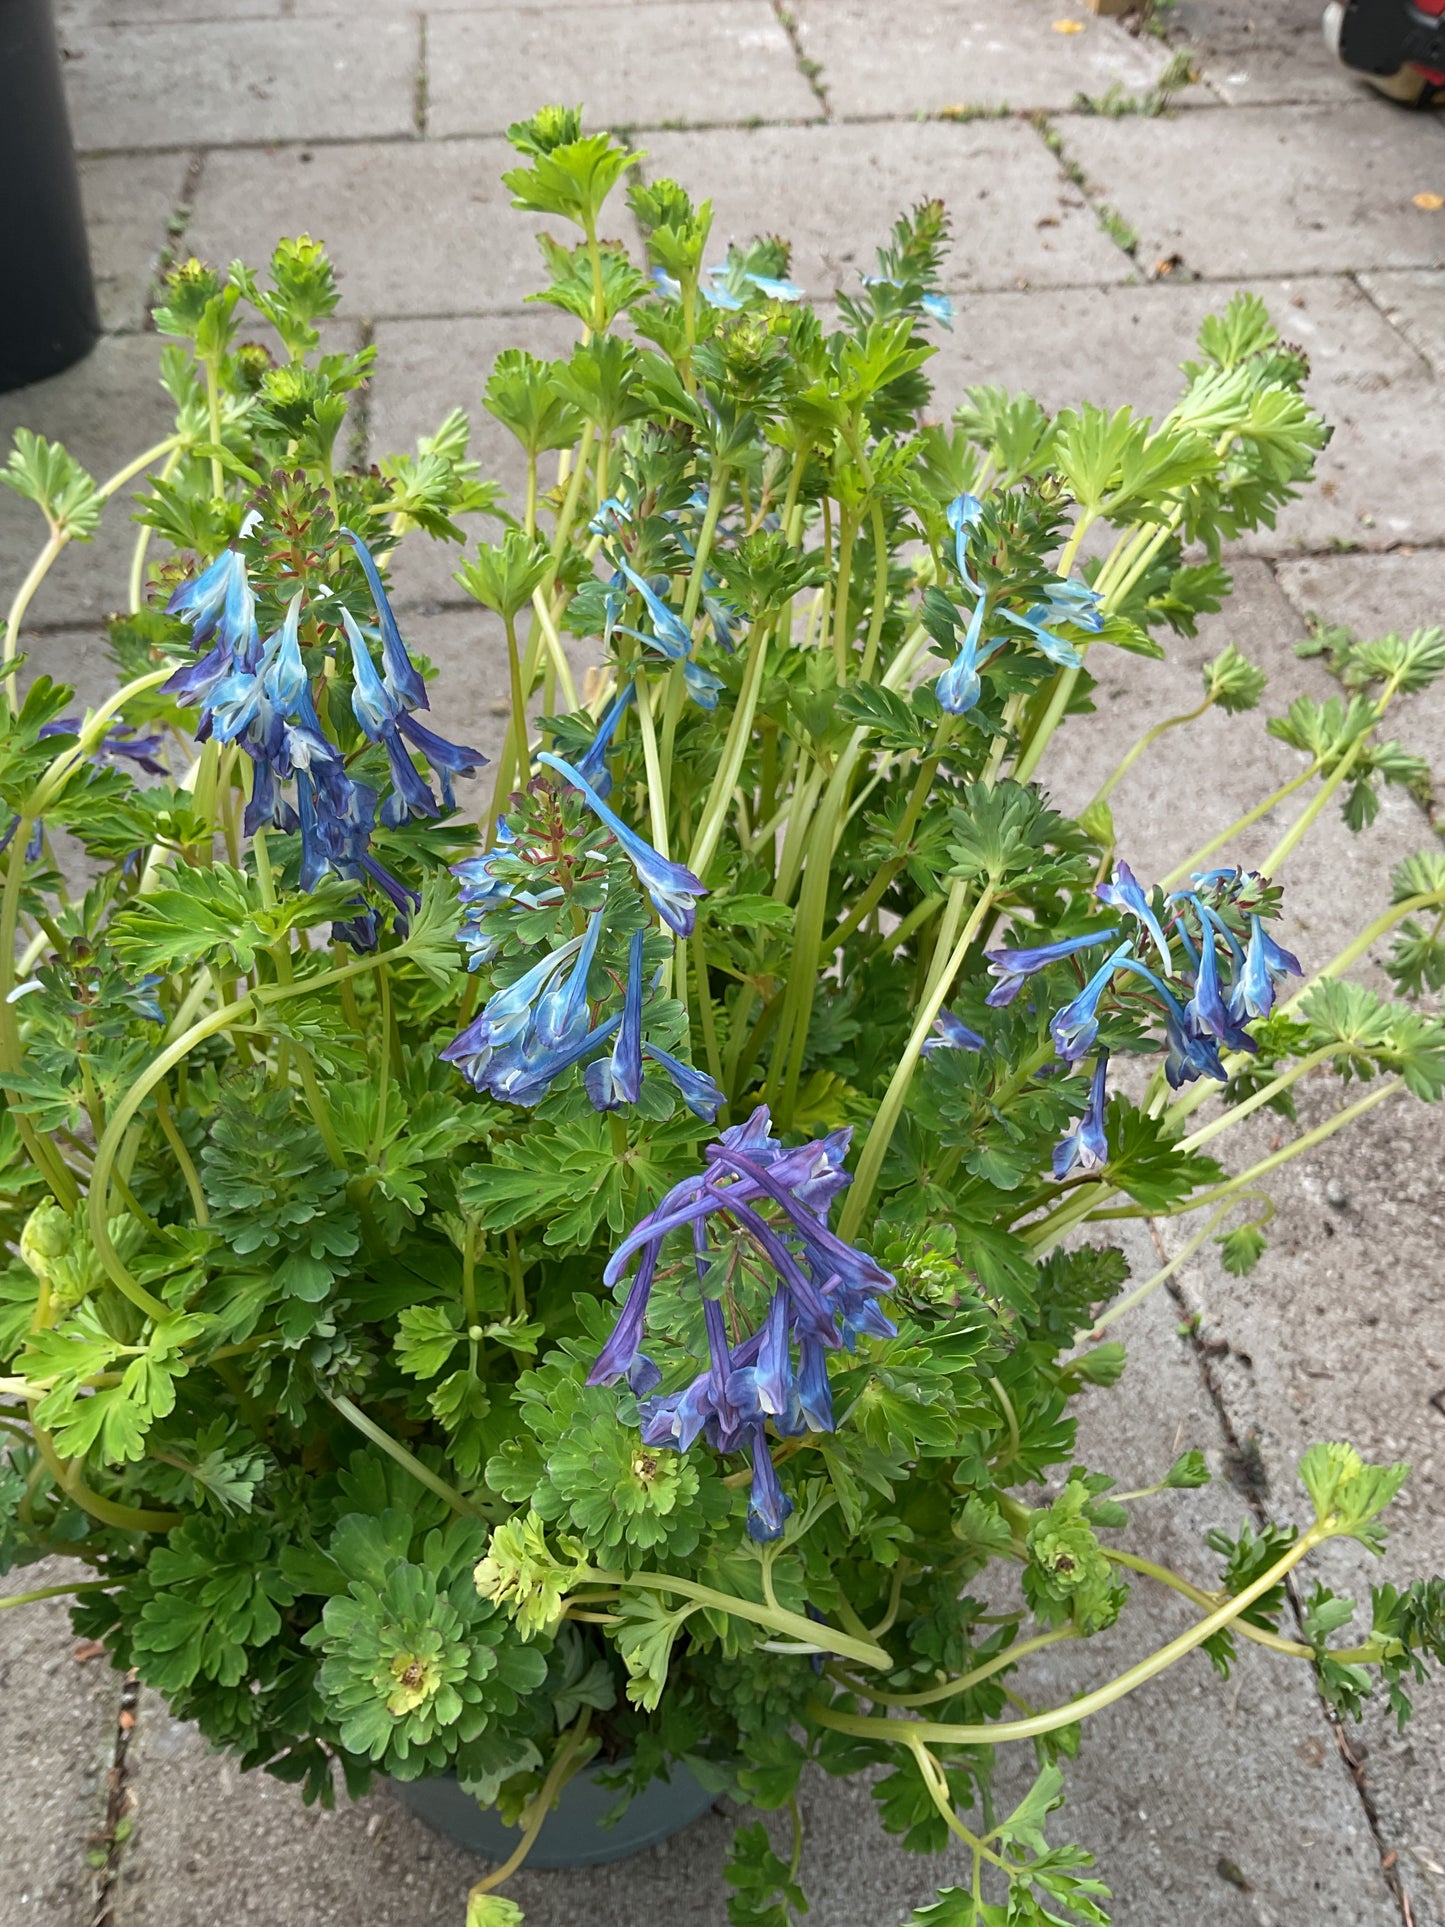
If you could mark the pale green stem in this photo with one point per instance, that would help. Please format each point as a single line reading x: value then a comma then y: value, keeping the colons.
x: 715, y: 807
x: 394, y: 1449
x: 58, y: 1592
x: 1147, y: 740
x: 1124, y: 1305
x: 885, y: 1122
x: 809, y: 1632
x: 536, y: 1812
x: 908, y: 1732
x: 1240, y: 823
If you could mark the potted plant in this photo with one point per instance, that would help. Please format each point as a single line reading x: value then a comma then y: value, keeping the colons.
x: 592, y: 1278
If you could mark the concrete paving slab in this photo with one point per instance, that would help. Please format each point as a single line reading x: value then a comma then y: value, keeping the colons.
x: 985, y: 53
x: 1340, y: 1333
x: 58, y: 1729
x: 1378, y: 481
x: 1373, y: 595
x: 129, y: 198
x: 1414, y: 299
x: 1280, y: 190
x: 650, y: 66
x: 1253, y: 56
x: 425, y: 368
x: 413, y: 228
x: 106, y: 410
x: 172, y: 84
x: 834, y: 192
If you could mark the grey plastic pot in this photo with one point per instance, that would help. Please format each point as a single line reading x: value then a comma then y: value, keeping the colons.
x: 48, y: 318
x: 572, y: 1835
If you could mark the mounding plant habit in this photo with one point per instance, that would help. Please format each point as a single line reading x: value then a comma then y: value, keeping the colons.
x: 591, y: 1264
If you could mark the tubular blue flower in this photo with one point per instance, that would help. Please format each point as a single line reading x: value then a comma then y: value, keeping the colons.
x: 594, y: 763
x: 1265, y: 967
x: 764, y: 1389
x: 624, y: 1343
x: 217, y: 603
x: 964, y: 513
x: 1013, y: 968
x: 696, y: 1089
x: 524, y: 1071
x: 1075, y: 1027
x: 1205, y: 1014
x: 1188, y: 1057
x: 1085, y: 1145
x: 561, y: 1016
x: 1126, y: 893
x: 506, y: 1015
x: 672, y: 887
x: 959, y: 687
x: 120, y: 741
x: 1036, y: 621
x: 814, y: 1393
x: 383, y: 719
x: 671, y: 638
x: 403, y: 680
x: 617, y: 1078
x: 952, y: 1034
x: 768, y: 1505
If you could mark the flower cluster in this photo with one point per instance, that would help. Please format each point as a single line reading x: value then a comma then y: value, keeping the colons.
x: 1215, y: 969
x: 540, y: 1024
x: 1062, y: 602
x: 758, y: 1214
x: 258, y: 695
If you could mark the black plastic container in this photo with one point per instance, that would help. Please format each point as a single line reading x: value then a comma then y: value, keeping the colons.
x: 48, y: 316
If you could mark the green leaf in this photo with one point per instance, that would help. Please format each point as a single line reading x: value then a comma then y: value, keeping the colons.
x: 50, y: 477
x: 426, y: 1337
x: 1348, y: 1493
x: 1188, y: 1471
x: 502, y: 577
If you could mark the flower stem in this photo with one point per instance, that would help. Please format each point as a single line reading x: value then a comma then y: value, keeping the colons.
x: 58, y: 1592
x: 1146, y: 741
x: 394, y: 1449
x: 809, y: 1632
x: 908, y: 1732
x: 885, y: 1121
x: 559, y: 1773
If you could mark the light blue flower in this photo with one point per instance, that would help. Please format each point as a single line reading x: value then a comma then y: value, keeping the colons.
x: 1265, y: 966
x: 672, y: 887
x: 1075, y: 1027
x: 964, y: 513
x: 1126, y: 893
x: 697, y: 1090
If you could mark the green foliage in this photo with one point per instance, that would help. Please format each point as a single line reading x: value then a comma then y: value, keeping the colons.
x: 301, y: 1314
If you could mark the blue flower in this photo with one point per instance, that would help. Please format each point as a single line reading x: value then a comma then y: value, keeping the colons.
x: 506, y: 1015
x: 672, y: 887
x: 403, y: 679
x: 594, y: 763
x: 964, y: 513
x: 1013, y: 968
x: 1075, y: 1027
x: 671, y: 637
x: 1085, y: 1145
x: 959, y: 687
x: 217, y: 603
x: 953, y: 1034
x: 697, y: 1090
x: 1126, y: 893
x: 617, y: 1078
x: 561, y: 1013
x: 523, y: 1072
x: 378, y: 707
x: 1265, y: 966
x: 768, y: 1505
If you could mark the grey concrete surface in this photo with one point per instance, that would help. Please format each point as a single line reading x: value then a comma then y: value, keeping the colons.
x: 216, y: 125
x: 59, y: 1727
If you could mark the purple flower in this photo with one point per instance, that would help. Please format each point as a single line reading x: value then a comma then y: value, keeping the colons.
x: 768, y: 1505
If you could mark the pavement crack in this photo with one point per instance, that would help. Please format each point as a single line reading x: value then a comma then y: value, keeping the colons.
x: 1241, y: 1453
x: 811, y: 70
x: 108, y: 1847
